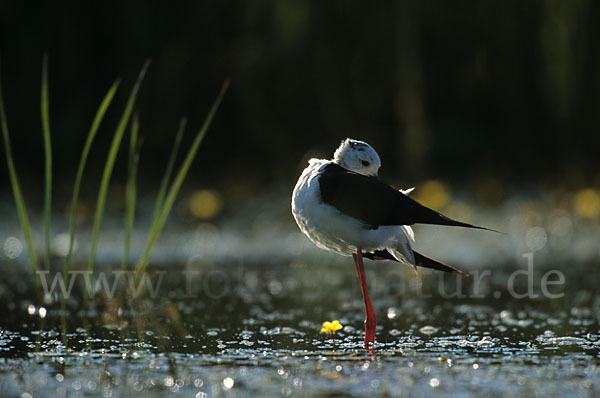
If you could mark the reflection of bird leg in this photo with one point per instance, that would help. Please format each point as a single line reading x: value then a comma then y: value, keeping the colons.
x: 370, y: 319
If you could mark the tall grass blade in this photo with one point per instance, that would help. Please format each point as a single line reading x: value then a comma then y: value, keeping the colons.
x: 131, y: 194
x: 45, y: 113
x: 110, y: 162
x: 16, y: 187
x: 82, y: 161
x: 165, y: 180
x: 158, y: 223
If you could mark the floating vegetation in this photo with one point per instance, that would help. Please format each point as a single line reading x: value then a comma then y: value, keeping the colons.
x: 331, y: 327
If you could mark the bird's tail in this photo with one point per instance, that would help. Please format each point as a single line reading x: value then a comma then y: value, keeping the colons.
x: 420, y: 260
x: 427, y: 262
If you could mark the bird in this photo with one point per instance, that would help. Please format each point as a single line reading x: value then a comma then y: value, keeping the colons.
x: 342, y: 206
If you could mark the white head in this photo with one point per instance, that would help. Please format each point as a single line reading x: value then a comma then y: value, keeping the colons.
x: 357, y: 156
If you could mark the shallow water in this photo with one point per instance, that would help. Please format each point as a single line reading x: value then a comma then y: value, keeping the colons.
x: 255, y: 331
x: 235, y: 309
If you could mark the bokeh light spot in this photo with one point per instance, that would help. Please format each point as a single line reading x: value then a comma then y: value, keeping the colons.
x: 433, y: 193
x: 12, y: 247
x: 228, y: 383
x: 205, y: 204
x: 60, y: 245
x: 586, y: 203
x: 428, y: 330
x: 536, y: 238
x: 391, y: 313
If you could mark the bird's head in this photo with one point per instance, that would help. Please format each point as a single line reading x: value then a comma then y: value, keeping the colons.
x: 357, y: 156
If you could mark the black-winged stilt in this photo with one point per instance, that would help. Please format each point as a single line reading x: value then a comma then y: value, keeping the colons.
x: 342, y: 206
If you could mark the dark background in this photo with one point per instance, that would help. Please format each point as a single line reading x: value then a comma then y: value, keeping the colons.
x: 454, y: 90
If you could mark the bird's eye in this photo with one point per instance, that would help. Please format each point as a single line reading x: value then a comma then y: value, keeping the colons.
x: 365, y: 163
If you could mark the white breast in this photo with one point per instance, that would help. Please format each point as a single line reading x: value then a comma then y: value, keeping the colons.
x: 332, y: 230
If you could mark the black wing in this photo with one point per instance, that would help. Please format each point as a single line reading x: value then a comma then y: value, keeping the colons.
x: 421, y: 260
x: 375, y: 203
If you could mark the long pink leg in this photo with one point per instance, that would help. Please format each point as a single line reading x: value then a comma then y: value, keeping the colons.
x: 371, y: 319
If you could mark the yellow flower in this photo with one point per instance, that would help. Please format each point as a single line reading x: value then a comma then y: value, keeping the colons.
x: 331, y: 327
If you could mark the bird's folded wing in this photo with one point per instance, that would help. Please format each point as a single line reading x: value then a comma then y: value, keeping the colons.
x: 374, y: 202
